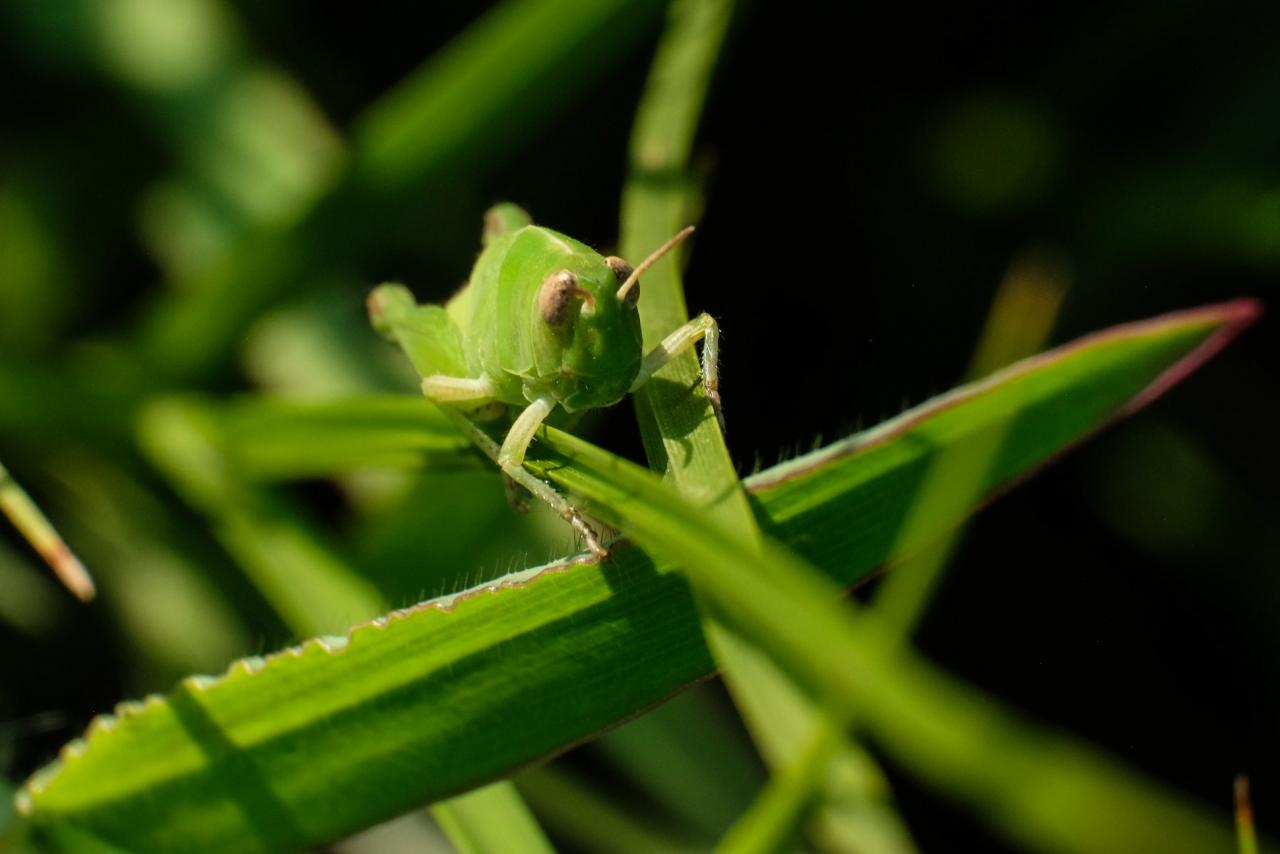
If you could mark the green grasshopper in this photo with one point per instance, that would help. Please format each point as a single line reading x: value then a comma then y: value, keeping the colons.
x: 544, y: 322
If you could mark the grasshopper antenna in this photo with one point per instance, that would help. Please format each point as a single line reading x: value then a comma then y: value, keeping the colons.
x: 654, y: 257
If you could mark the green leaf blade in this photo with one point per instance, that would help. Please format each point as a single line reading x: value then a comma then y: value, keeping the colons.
x: 285, y: 439
x: 324, y: 739
x: 491, y: 820
x: 1056, y: 400
x: 335, y: 735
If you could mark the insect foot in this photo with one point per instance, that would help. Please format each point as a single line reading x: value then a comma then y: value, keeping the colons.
x: 713, y: 395
x: 598, y: 552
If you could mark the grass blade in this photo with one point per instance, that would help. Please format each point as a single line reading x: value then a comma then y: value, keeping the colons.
x: 491, y: 820
x: 681, y: 440
x: 684, y: 758
x: 32, y: 524
x: 774, y: 818
x: 1023, y: 313
x: 659, y: 199
x: 284, y: 439
x: 442, y: 697
x: 1246, y: 834
x: 580, y: 813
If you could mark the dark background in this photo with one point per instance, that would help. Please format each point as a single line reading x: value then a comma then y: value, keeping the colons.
x: 869, y: 176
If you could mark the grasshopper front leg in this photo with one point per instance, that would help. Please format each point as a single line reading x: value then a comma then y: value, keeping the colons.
x: 510, y: 455
x: 702, y: 327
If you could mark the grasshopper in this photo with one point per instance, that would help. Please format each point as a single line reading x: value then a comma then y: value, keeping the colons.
x: 543, y: 324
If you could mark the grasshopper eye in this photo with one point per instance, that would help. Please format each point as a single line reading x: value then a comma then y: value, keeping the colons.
x: 557, y: 295
x: 622, y: 271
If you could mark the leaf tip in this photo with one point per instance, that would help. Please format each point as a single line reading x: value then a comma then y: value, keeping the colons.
x: 1241, y: 311
x: 1229, y: 319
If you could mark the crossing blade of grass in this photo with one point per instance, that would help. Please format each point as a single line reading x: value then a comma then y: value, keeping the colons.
x: 340, y: 733
x: 491, y: 820
x: 578, y: 812
x: 1246, y: 834
x: 497, y: 81
x: 1017, y: 326
x: 785, y: 797
x: 683, y: 757
x: 1025, y: 307
x: 835, y: 785
x: 1037, y: 787
x: 681, y: 438
x: 774, y: 818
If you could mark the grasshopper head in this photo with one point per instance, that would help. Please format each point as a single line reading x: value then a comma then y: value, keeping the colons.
x: 589, y: 304
x: 598, y: 330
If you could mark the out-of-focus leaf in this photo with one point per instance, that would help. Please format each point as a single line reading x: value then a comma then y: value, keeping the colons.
x: 492, y: 820
x: 274, y: 440
x: 776, y: 814
x: 158, y: 584
x: 251, y: 147
x: 33, y: 276
x: 320, y: 740
x: 686, y: 757
x: 308, y: 584
x: 473, y: 100
x: 30, y: 601
x: 579, y: 812
x: 412, y: 833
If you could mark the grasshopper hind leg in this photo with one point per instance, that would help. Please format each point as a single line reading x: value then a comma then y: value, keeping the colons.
x: 510, y: 458
x: 517, y: 496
